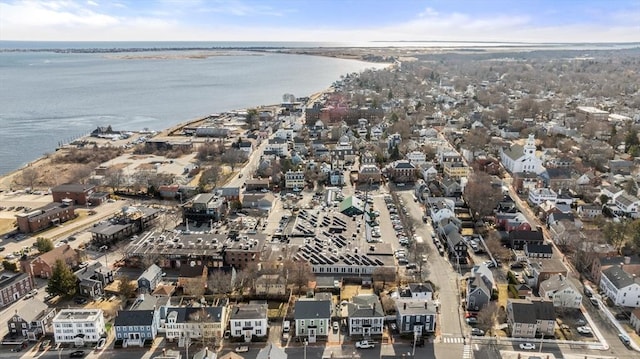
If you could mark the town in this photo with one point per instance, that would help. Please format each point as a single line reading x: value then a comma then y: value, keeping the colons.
x: 430, y: 209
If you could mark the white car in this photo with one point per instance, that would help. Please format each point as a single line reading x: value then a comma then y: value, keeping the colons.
x: 242, y: 349
x: 584, y: 330
x: 364, y: 344
x: 527, y: 346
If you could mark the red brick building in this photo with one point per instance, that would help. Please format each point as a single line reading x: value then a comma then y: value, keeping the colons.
x: 45, y: 217
x: 13, y: 287
x: 78, y: 193
x: 42, y: 266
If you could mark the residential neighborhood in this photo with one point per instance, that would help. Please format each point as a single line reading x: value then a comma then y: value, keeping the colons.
x: 360, y: 222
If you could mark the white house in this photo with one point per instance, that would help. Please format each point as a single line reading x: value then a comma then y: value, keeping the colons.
x: 294, y: 179
x: 366, y: 316
x: 621, y: 287
x: 277, y: 146
x: 376, y: 132
x: 422, y: 291
x: 538, y: 196
x: 560, y: 291
x: 522, y: 158
x: 78, y: 326
x: 628, y: 205
x: 430, y: 174
x: 312, y: 318
x: 187, y: 323
x: 248, y: 321
x: 417, y: 158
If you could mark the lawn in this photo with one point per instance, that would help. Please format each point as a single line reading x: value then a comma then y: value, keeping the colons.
x: 503, y: 294
x: 350, y: 291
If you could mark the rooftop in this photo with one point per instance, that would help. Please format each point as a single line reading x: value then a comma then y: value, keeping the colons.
x: 70, y: 315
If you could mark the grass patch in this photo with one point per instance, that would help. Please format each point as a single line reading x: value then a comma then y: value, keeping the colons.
x: 349, y: 291
x: 7, y: 225
x: 503, y: 295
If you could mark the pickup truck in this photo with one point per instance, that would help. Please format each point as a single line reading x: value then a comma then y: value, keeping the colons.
x: 364, y: 344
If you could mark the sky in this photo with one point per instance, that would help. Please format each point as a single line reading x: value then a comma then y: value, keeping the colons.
x: 321, y: 20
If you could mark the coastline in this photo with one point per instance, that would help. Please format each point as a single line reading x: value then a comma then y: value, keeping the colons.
x: 8, y: 181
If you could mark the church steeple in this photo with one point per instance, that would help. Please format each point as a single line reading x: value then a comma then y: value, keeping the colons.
x: 530, y: 146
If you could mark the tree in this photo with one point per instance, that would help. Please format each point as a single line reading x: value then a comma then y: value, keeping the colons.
x: 497, y: 250
x: 299, y: 273
x: 114, y: 178
x: 44, y: 244
x: 488, y: 316
x: 476, y: 140
x: 384, y: 275
x: 29, y: 176
x: 9, y: 265
x: 209, y: 177
x: 220, y: 282
x: 62, y: 282
x: 631, y: 139
x: 234, y: 157
x: 125, y: 287
x: 481, y: 196
x: 616, y: 233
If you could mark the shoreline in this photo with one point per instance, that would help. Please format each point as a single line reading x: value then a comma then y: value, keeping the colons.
x: 7, y: 180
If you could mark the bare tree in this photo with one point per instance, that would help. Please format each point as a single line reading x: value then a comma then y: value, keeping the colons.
x: 497, y: 249
x: 210, y: 177
x: 298, y: 273
x: 114, y: 178
x: 220, y: 283
x: 29, y: 176
x: 488, y: 316
x: 384, y: 275
x: 481, y: 196
x: 234, y: 157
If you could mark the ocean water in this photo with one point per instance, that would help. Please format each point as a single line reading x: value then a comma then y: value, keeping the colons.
x: 52, y: 97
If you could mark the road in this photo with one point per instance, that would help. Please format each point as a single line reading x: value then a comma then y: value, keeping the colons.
x: 446, y: 279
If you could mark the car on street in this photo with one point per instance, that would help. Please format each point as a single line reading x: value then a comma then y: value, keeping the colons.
x: 77, y: 354
x: 101, y: 343
x: 624, y: 339
x: 242, y: 349
x: 594, y: 302
x: 477, y: 332
x: 364, y: 344
x: 393, y: 327
x: 472, y: 320
x: 80, y: 300
x: 336, y: 326
x: 580, y: 322
x: 2, y: 249
x: 527, y: 346
x: 585, y: 330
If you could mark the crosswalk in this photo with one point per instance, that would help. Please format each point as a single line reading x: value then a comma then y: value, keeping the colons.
x: 453, y: 340
x: 467, y: 353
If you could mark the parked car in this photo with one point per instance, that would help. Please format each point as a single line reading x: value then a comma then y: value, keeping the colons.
x: 527, y: 346
x: 594, y: 302
x: 101, y: 343
x: 472, y: 320
x: 624, y: 339
x: 580, y: 322
x: 364, y: 344
x: 336, y: 326
x: 242, y: 349
x: 393, y: 327
x: 477, y: 332
x: 80, y: 300
x: 584, y: 330
x: 517, y: 265
x: 76, y: 354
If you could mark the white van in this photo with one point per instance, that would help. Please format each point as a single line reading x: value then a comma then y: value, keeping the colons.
x: 286, y: 326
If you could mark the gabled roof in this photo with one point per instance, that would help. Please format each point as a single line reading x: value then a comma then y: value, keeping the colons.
x: 526, y: 235
x: 63, y: 252
x: 134, y: 317
x: 365, y: 306
x: 34, y: 310
x: 150, y: 273
x: 527, y: 311
x: 555, y: 283
x: 514, y: 152
x: 249, y: 311
x: 192, y: 314
x: 421, y: 288
x: 403, y: 164
x: 312, y: 309
x: 618, y: 277
x: 538, y: 248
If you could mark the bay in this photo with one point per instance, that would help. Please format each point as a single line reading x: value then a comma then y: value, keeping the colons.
x: 52, y: 97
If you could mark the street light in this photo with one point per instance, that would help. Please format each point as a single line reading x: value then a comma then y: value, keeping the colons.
x: 305, y: 343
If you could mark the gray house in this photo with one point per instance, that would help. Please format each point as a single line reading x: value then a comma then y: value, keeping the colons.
x: 312, y: 318
x: 30, y: 322
x: 415, y: 316
x: 92, y: 280
x: 479, y: 287
x: 134, y: 327
x: 149, y: 279
x: 366, y: 316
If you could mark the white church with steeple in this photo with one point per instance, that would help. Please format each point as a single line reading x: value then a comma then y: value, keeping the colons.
x: 518, y: 158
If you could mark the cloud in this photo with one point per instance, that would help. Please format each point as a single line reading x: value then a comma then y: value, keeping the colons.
x: 235, y: 20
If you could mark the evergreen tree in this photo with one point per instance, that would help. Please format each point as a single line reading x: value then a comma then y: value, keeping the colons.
x: 62, y: 282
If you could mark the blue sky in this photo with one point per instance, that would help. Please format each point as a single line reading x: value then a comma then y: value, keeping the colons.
x: 322, y: 20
